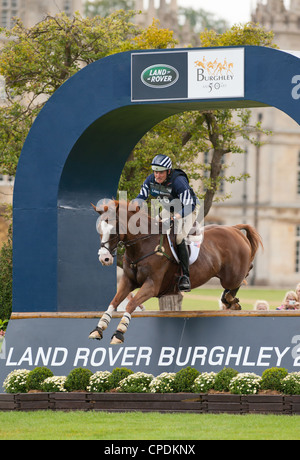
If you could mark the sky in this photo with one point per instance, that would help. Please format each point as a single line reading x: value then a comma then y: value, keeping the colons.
x: 233, y: 11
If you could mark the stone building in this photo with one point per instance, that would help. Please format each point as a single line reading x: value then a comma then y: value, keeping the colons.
x: 33, y: 11
x: 270, y: 199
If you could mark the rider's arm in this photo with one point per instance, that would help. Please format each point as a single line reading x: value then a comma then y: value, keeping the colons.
x: 182, y: 190
x: 143, y: 195
x: 144, y: 191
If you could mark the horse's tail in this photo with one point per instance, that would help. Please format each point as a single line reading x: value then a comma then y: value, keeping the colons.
x: 253, y: 236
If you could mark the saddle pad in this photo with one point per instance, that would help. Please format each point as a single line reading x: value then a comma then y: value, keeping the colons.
x: 193, y: 248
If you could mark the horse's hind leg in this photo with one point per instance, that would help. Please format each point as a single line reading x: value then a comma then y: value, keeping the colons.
x: 230, y: 300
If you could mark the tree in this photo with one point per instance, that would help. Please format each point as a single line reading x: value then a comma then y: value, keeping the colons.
x: 36, y: 61
x: 6, y: 278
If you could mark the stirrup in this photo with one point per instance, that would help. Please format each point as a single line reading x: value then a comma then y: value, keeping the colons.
x: 184, y: 283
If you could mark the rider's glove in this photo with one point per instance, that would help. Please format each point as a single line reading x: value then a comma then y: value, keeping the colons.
x: 166, y: 224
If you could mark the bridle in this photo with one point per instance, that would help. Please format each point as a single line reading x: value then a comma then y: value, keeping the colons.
x: 121, y: 243
x: 125, y: 244
x: 113, y: 252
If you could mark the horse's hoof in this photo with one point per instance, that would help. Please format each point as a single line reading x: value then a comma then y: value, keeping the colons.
x: 117, y: 338
x: 96, y: 334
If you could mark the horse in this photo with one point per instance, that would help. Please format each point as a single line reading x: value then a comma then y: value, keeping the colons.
x: 149, y: 264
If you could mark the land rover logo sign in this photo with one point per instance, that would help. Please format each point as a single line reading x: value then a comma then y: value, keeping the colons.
x: 159, y: 76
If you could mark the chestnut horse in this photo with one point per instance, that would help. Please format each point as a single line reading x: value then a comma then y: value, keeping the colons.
x: 148, y: 263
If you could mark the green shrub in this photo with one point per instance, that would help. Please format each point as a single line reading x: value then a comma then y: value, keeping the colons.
x: 54, y: 384
x: 36, y: 378
x: 246, y: 383
x: 163, y: 383
x: 117, y: 375
x: 16, y: 381
x: 78, y: 379
x: 184, y: 379
x: 223, y: 378
x: 291, y: 384
x: 138, y: 382
x: 271, y: 379
x: 99, y: 382
x: 204, y: 382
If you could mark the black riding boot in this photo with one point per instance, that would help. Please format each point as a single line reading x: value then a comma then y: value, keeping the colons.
x: 183, y: 254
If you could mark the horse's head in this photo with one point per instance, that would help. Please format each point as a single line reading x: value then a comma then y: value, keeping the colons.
x: 107, y: 226
x: 117, y: 223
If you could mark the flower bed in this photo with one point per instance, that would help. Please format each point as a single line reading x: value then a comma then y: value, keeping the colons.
x: 276, y: 391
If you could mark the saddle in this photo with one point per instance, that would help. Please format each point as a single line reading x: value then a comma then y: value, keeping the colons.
x: 193, y: 242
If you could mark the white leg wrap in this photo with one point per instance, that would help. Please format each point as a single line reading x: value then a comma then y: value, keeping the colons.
x: 124, y: 323
x: 105, y: 318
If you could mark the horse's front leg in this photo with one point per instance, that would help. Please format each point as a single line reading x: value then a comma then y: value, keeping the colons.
x: 125, y: 287
x: 146, y: 292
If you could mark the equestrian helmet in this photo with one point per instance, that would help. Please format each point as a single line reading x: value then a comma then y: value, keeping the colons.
x: 161, y: 163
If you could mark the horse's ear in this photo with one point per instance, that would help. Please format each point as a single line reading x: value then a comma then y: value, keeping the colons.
x: 105, y: 208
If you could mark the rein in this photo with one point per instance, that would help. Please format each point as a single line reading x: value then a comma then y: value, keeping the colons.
x: 159, y: 249
x: 133, y: 264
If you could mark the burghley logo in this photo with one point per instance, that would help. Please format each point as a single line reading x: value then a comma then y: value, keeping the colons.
x: 159, y: 76
x: 216, y: 73
x: 214, y: 70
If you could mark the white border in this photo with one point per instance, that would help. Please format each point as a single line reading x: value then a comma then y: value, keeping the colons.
x: 177, y: 98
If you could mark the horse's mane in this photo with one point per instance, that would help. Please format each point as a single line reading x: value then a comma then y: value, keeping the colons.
x: 126, y: 204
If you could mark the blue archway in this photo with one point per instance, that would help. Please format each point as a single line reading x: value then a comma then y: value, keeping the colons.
x: 76, y: 150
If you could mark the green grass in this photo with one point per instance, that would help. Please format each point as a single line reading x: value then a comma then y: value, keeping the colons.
x: 208, y: 298
x: 47, y: 425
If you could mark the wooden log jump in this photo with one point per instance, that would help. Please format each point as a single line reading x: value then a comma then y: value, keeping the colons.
x: 161, y: 314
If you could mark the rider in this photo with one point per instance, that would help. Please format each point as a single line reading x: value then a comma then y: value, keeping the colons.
x: 172, y: 185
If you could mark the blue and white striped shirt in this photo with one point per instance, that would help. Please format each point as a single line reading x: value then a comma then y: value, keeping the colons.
x: 175, y: 187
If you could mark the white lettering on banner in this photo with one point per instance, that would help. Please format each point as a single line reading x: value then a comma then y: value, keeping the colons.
x: 296, y: 88
x: 261, y: 356
x: 57, y: 357
x: 245, y: 360
x: 212, y: 355
x: 280, y: 355
x: 296, y: 350
x: 26, y: 358
x: 41, y: 355
x: 129, y: 356
x: 231, y: 355
x: 199, y: 353
x: 220, y: 356
x: 165, y: 357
